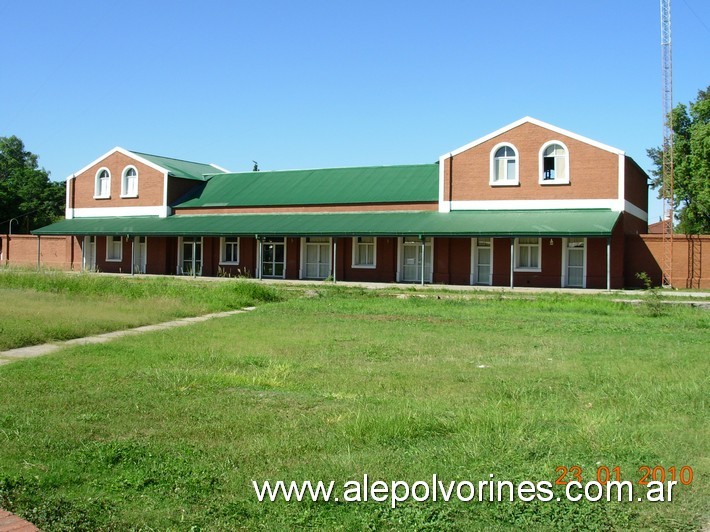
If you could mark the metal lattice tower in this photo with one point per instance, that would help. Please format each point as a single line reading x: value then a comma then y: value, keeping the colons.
x: 667, y: 167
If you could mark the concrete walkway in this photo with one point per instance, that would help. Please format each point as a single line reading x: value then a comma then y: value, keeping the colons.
x: 44, y: 349
x: 11, y: 523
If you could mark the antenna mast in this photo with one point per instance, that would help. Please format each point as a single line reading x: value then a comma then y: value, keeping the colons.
x: 667, y: 167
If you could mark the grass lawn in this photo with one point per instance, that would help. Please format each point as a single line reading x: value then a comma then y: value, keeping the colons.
x: 39, y: 308
x: 167, y: 430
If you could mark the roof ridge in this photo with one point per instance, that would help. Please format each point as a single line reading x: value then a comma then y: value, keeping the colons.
x: 171, y: 158
x: 328, y: 168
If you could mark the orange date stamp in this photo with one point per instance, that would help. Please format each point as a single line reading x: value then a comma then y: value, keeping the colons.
x: 644, y: 474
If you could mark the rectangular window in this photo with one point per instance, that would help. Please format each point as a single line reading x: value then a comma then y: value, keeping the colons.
x: 114, y: 249
x: 364, y: 252
x: 229, y: 250
x: 527, y: 253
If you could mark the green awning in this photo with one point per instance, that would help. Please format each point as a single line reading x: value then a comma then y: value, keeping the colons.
x: 510, y: 223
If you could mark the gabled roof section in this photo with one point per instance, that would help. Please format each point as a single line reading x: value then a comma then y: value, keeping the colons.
x: 173, y: 167
x: 329, y: 186
x: 540, y: 123
x: 181, y: 168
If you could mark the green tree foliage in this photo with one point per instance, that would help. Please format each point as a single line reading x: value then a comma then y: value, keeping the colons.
x: 26, y: 193
x: 691, y: 161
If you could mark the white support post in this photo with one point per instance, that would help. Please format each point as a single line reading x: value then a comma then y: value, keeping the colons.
x: 133, y: 255
x: 259, y: 252
x: 608, y: 263
x: 423, y: 257
x: 335, y: 259
x: 512, y: 260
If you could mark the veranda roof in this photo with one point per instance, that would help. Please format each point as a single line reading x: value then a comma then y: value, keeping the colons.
x: 503, y: 223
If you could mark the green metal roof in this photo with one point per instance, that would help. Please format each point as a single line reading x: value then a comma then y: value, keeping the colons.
x: 544, y: 223
x: 180, y: 168
x: 372, y: 184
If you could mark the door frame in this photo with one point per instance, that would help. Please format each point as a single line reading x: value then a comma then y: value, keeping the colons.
x: 400, y: 258
x: 87, y: 241
x: 565, y: 264
x: 474, y: 262
x: 304, y: 243
x: 181, y: 251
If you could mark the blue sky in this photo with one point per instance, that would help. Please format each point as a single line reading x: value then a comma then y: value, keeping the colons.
x: 333, y: 83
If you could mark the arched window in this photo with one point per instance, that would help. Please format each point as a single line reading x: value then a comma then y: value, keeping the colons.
x: 129, y: 183
x: 554, y: 163
x: 103, y: 184
x: 504, y: 165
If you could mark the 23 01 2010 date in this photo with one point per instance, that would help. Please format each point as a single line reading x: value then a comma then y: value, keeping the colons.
x: 604, y: 474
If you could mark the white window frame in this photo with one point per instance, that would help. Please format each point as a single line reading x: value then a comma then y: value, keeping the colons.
x: 124, y: 182
x: 355, y: 253
x: 97, y: 184
x: 223, y: 250
x: 109, y: 246
x: 519, y: 268
x: 504, y: 182
x: 561, y: 180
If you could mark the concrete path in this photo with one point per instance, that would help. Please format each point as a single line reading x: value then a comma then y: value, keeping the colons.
x: 44, y: 349
x: 11, y: 523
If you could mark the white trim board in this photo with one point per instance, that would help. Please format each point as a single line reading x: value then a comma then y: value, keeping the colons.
x: 110, y: 212
x: 541, y: 124
x: 123, y: 151
x: 525, y: 205
x: 635, y: 211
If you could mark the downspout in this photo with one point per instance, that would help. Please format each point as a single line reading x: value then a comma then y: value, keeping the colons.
x: 83, y: 254
x: 39, y: 252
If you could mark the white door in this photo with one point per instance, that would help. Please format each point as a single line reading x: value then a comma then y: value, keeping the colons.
x: 141, y: 254
x: 89, y: 247
x: 575, y: 262
x: 412, y: 260
x: 316, y: 258
x: 191, y: 256
x: 273, y: 258
x: 483, y: 261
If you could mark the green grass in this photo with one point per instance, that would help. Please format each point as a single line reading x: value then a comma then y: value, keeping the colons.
x: 167, y: 430
x: 38, y: 308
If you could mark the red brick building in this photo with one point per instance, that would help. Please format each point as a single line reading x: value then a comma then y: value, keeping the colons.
x: 527, y: 205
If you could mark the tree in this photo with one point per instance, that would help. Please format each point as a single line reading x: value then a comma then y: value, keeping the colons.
x: 691, y: 162
x: 26, y: 192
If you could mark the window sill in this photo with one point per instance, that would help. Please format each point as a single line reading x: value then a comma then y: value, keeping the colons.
x: 554, y: 182
x: 228, y: 263
x: 364, y: 266
x: 528, y: 270
x: 504, y: 183
x: 114, y: 260
x: 129, y: 195
x: 102, y: 197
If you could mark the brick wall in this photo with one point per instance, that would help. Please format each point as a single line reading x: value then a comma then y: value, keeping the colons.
x: 593, y: 172
x: 56, y: 252
x: 691, y: 260
x: 151, y: 184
